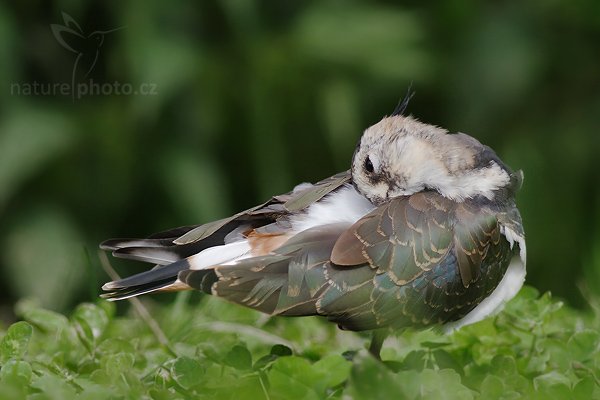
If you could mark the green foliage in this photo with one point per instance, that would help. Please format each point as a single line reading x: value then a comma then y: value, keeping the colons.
x: 536, y: 348
x: 14, y: 343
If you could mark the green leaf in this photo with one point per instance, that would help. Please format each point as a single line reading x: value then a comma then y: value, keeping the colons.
x: 281, y: 350
x: 333, y: 369
x: 90, y: 322
x: 109, y: 308
x: 370, y: 379
x: 414, y: 360
x: 264, y: 361
x: 119, y: 363
x: 14, y: 344
x: 278, y: 350
x: 239, y: 358
x: 53, y: 387
x: 435, y: 345
x: 16, y: 371
x: 554, y: 385
x: 163, y: 394
x: 584, y: 389
x: 559, y: 355
x: 582, y: 345
x: 46, y: 320
x: 293, y: 377
x: 504, y: 366
x: 431, y: 384
x: 187, y: 372
x: 115, y: 346
x: 93, y: 391
x: 445, y: 360
x: 492, y: 388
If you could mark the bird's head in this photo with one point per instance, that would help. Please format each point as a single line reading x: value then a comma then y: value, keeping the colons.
x: 400, y: 156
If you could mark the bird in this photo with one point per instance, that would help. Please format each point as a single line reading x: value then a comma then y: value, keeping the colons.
x: 421, y: 232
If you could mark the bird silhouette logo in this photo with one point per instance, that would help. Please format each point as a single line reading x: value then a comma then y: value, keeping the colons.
x: 86, y: 46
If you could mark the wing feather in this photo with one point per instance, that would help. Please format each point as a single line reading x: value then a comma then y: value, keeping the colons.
x: 432, y: 260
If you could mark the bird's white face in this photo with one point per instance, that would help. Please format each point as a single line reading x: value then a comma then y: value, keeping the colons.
x: 400, y: 156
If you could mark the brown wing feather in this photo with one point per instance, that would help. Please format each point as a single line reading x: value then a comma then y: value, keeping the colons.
x: 403, y: 237
x: 407, y: 236
x: 264, y: 243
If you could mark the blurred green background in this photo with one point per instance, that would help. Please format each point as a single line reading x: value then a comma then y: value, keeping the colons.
x: 251, y: 98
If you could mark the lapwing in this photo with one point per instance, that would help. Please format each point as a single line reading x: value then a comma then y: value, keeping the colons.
x: 421, y: 231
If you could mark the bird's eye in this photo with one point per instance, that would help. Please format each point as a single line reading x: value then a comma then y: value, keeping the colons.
x: 369, y: 165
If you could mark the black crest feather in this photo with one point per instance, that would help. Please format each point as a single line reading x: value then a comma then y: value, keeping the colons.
x: 403, y: 104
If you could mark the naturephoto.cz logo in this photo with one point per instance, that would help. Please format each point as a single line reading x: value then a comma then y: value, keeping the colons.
x: 87, y: 48
x: 82, y: 89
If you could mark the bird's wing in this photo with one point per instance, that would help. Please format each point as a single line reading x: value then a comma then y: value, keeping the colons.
x: 408, y: 236
x: 412, y: 261
x: 269, y: 218
x: 287, y: 281
x: 277, y: 206
x: 301, y: 199
x: 433, y: 260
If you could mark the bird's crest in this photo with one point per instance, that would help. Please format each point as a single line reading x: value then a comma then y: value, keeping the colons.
x: 403, y: 104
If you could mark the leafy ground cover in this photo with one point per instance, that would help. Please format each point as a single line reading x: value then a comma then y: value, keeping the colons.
x: 535, y: 348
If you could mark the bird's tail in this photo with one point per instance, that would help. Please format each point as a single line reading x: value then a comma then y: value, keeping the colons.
x: 160, y: 278
x: 164, y: 276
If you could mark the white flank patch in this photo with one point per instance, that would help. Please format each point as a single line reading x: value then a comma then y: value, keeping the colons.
x: 508, y: 287
x: 217, y: 255
x: 344, y: 205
